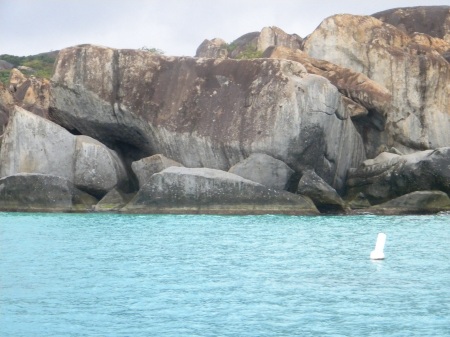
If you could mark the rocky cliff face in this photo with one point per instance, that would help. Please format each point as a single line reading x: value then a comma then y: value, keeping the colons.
x: 205, y: 112
x: 416, y: 75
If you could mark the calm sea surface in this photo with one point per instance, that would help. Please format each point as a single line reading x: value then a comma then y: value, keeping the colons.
x: 188, y: 275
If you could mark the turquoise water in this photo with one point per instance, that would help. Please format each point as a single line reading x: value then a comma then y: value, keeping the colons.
x: 165, y: 275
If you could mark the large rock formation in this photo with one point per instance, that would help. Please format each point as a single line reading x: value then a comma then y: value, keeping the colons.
x: 391, y: 176
x: 415, y: 74
x: 42, y: 193
x: 33, y: 144
x: 203, y: 190
x: 205, y: 112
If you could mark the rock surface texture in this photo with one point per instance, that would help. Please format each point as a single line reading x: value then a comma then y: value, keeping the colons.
x: 250, y: 44
x: 146, y: 167
x: 416, y: 76
x: 203, y: 190
x: 323, y: 195
x: 33, y: 144
x: 42, y: 193
x: 205, y: 112
x: 419, y: 202
x: 382, y: 180
x: 265, y: 170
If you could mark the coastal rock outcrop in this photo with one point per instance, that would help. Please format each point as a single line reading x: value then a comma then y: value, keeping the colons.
x: 33, y: 144
x: 416, y: 76
x: 42, y: 193
x: 205, y: 112
x: 419, y: 202
x: 148, y: 166
x: 203, y: 190
x: 323, y: 195
x: 265, y: 170
x: 391, y: 175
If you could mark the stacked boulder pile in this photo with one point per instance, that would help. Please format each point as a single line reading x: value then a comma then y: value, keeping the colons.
x: 352, y: 118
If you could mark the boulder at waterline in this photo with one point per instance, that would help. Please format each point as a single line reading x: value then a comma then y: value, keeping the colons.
x: 205, y: 112
x: 114, y: 200
x: 382, y: 180
x: 210, y: 191
x: 32, y: 144
x: 42, y: 193
x: 415, y: 74
x: 323, y: 195
x: 419, y: 202
x: 265, y: 170
x: 148, y: 166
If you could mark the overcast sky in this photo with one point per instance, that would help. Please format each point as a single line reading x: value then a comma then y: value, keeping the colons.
x: 177, y: 27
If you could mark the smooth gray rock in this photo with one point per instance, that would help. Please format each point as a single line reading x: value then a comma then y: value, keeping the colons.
x: 42, y: 193
x: 399, y: 175
x: 265, y: 170
x: 323, y: 195
x: 203, y: 190
x: 146, y: 167
x: 32, y: 144
x: 205, y: 112
x: 419, y: 202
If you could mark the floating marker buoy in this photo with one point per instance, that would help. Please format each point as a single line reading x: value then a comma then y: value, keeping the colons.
x: 378, y: 252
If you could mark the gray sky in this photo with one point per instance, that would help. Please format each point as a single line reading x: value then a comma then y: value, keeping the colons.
x: 175, y: 26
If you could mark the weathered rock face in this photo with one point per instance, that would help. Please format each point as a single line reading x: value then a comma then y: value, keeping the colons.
x: 6, y: 106
x: 323, y: 195
x: 430, y: 20
x: 419, y: 202
x: 30, y: 93
x: 215, y: 48
x: 255, y: 42
x: 146, y: 167
x: 265, y: 170
x: 40, y: 192
x: 202, y: 190
x: 205, y: 112
x: 33, y: 144
x: 382, y: 180
x: 416, y: 75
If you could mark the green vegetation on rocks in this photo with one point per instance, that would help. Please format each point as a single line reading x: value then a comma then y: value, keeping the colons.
x: 42, y: 64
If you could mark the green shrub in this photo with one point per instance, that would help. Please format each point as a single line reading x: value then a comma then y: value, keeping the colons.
x: 4, y: 76
x: 250, y: 53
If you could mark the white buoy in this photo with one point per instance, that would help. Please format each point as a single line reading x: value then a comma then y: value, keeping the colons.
x: 378, y: 252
